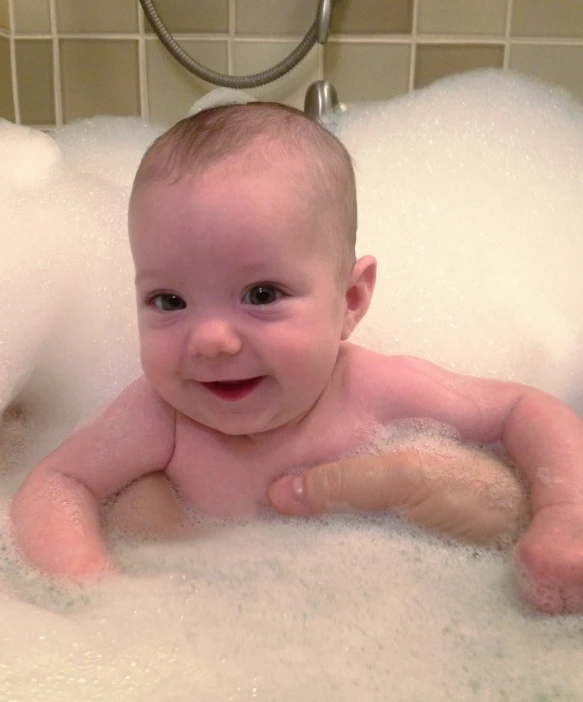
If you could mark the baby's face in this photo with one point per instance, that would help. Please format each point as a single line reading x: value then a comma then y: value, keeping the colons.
x: 240, y: 309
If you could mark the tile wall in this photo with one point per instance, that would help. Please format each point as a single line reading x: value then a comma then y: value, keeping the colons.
x: 61, y: 60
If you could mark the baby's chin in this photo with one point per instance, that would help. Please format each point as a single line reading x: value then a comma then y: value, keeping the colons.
x: 250, y: 425
x: 246, y: 427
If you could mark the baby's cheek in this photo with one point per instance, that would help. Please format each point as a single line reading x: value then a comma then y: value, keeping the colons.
x: 147, y: 358
x: 156, y: 370
x: 155, y: 351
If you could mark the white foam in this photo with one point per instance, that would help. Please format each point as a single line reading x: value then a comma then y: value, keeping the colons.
x: 67, y: 316
x: 470, y: 196
x: 29, y: 157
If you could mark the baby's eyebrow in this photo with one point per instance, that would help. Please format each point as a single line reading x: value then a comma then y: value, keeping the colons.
x: 143, y: 276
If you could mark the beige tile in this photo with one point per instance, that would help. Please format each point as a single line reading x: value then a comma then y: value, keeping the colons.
x: 547, y: 18
x: 6, y: 97
x: 373, y: 17
x: 290, y: 89
x: 463, y: 17
x: 437, y: 60
x: 172, y: 90
x: 274, y: 17
x: 99, y: 77
x: 31, y: 16
x: 34, y: 68
x: 562, y: 65
x: 4, y: 15
x: 193, y: 16
x: 102, y: 16
x: 367, y: 71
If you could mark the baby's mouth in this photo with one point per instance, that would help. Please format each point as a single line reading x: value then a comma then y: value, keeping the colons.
x: 233, y: 389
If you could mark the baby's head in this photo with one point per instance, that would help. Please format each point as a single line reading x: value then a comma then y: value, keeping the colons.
x: 242, y: 225
x: 266, y: 136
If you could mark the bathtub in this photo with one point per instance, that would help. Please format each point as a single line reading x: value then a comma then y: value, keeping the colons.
x: 470, y: 196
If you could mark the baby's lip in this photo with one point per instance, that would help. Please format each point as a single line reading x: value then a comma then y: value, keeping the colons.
x: 233, y: 389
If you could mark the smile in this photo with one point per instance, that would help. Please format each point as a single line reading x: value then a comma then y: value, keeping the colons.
x: 233, y: 389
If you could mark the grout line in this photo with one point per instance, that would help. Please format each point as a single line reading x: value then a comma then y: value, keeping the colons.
x: 231, y: 37
x: 547, y: 41
x: 133, y: 36
x: 507, y: 44
x: 414, y: 37
x: 419, y: 38
x: 13, y: 71
x: 368, y: 39
x: 470, y: 40
x: 282, y: 39
x: 336, y: 39
x: 56, y: 65
x: 142, y: 65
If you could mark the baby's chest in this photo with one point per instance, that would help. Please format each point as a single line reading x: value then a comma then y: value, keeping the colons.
x: 231, y: 479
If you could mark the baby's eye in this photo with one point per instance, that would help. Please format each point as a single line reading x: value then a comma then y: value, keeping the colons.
x: 262, y: 295
x: 168, y: 302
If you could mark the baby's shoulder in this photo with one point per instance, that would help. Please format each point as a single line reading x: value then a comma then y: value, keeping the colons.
x: 378, y: 370
x: 138, y: 412
x: 382, y: 381
x: 140, y: 401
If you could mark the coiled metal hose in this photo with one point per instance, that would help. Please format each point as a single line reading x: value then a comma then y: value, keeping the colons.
x: 317, y: 32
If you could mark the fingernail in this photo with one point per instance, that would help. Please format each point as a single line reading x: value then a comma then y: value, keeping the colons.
x: 298, y: 487
x: 287, y: 493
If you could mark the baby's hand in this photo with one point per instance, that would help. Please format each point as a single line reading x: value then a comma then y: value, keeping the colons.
x: 549, y: 560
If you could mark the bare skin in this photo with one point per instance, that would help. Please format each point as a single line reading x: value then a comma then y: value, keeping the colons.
x: 148, y: 508
x: 455, y: 490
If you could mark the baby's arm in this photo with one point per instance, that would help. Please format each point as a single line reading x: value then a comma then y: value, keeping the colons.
x: 543, y: 437
x: 56, y: 511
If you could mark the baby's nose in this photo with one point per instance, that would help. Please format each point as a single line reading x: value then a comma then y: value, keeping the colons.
x: 213, y: 337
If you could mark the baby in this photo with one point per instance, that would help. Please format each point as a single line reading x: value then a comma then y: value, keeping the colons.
x: 242, y: 224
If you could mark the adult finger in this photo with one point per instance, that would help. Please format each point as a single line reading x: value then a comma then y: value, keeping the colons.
x: 461, y: 492
x: 148, y: 508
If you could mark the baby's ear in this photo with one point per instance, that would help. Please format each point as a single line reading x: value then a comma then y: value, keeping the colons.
x: 359, y: 293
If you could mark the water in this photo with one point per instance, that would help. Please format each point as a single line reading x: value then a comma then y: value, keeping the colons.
x: 470, y: 197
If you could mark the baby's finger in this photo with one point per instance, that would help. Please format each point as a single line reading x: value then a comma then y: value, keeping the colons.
x: 549, y: 561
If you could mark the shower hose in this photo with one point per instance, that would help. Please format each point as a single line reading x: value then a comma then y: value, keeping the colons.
x: 318, y: 32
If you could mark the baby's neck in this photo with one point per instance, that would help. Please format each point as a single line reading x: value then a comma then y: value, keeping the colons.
x: 283, y: 434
